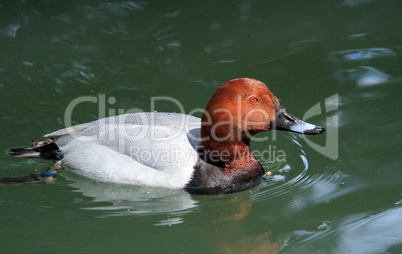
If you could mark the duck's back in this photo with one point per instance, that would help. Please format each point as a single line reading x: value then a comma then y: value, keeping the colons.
x: 156, y: 149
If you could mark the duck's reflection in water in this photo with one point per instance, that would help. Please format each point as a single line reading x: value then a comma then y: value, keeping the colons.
x: 125, y: 200
x: 229, y: 231
x: 225, y: 219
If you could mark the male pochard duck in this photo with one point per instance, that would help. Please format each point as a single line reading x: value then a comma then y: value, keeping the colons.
x: 210, y: 155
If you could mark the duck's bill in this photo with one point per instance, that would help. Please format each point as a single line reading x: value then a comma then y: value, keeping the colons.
x: 288, y: 122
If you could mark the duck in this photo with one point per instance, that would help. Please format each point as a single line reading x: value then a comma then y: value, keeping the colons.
x: 207, y: 155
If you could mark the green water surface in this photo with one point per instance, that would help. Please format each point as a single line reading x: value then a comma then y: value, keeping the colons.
x: 336, y: 62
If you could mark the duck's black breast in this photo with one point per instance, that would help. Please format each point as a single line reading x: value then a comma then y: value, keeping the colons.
x: 210, y: 179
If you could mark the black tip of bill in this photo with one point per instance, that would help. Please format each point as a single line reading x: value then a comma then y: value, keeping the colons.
x: 314, y: 131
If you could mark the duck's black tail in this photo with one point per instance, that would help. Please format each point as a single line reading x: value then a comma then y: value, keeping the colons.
x: 43, y: 148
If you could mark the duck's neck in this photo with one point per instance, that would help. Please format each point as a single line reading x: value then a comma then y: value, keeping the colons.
x: 230, y: 155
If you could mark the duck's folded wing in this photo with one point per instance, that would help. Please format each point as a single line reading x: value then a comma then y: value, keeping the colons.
x: 157, y: 140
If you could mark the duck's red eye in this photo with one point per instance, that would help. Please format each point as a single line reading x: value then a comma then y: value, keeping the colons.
x: 253, y: 99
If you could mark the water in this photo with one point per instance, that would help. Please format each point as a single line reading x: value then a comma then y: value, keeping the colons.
x: 343, y: 56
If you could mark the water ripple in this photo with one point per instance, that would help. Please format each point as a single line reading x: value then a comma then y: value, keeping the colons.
x: 367, y: 233
x: 361, y: 54
x: 296, y: 186
x: 364, y: 76
x: 371, y: 234
x: 10, y: 30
